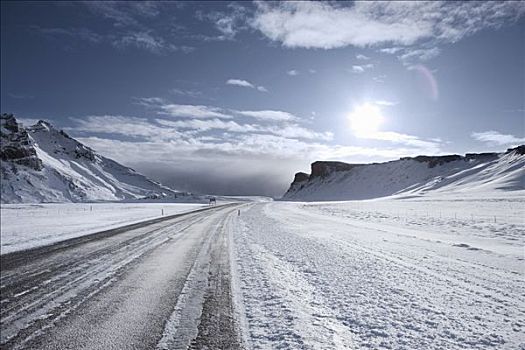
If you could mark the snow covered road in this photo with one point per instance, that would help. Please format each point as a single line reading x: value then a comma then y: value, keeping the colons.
x: 311, y: 278
x: 390, y: 274
x: 137, y: 288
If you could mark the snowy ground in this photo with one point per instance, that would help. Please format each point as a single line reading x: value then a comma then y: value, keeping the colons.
x: 391, y: 274
x: 25, y: 226
x: 420, y: 273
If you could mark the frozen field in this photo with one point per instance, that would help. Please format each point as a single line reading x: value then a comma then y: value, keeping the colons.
x: 390, y: 274
x: 25, y: 226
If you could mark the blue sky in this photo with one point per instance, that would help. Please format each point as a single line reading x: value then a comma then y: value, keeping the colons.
x: 234, y: 98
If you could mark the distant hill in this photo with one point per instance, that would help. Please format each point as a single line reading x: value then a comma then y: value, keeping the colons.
x: 42, y: 164
x: 484, y: 174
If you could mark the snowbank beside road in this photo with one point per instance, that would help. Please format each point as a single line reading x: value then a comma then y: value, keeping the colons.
x: 382, y: 274
x: 25, y: 226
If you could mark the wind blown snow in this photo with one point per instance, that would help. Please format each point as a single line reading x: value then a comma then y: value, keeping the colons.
x: 383, y: 274
x: 25, y: 226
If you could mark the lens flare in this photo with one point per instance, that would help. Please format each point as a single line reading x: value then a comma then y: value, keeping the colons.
x: 429, y: 81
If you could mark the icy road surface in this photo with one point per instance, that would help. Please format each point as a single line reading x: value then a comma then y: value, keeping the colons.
x: 390, y: 274
x: 163, y: 285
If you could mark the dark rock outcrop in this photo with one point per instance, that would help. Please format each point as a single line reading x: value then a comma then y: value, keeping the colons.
x: 299, y: 181
x: 325, y: 168
x: 434, y: 160
x: 301, y: 177
x: 518, y: 150
x: 481, y: 156
x: 16, y: 146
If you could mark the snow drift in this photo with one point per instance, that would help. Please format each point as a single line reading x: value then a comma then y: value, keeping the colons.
x: 483, y: 174
x: 43, y: 164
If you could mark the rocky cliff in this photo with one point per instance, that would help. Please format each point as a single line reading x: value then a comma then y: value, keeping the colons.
x: 16, y: 146
x: 412, y: 176
x: 325, y: 168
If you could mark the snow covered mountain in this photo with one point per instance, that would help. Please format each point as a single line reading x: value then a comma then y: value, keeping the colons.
x: 43, y: 164
x: 484, y: 174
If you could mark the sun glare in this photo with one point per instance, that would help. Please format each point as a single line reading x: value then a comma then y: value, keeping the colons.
x: 365, y: 119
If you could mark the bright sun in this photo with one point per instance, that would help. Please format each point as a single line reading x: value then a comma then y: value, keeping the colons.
x: 365, y: 119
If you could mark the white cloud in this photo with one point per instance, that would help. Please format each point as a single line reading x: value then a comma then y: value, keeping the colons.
x: 125, y: 126
x: 77, y: 33
x: 379, y: 79
x: 270, y: 115
x: 496, y: 138
x: 226, y: 26
x: 292, y: 72
x: 423, y: 54
x: 255, y: 145
x: 265, y: 148
x: 362, y: 57
x: 178, y: 110
x: 269, y: 122
x: 364, y: 154
x: 361, y: 68
x: 245, y: 83
x: 415, y: 144
x: 124, y: 14
x: 193, y: 111
x: 391, y: 50
x: 239, y: 82
x: 312, y: 71
x: 274, y: 122
x: 202, y: 111
x: 144, y: 40
x: 209, y: 124
x: 185, y: 92
x: 167, y: 140
x: 294, y: 131
x: 133, y: 25
x: 139, y: 39
x: 213, y: 130
x: 365, y: 23
x: 326, y: 26
x: 170, y: 139
x: 148, y: 101
x: 227, y: 23
x: 426, y: 146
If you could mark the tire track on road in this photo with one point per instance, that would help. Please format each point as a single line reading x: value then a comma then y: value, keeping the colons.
x: 74, y: 276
